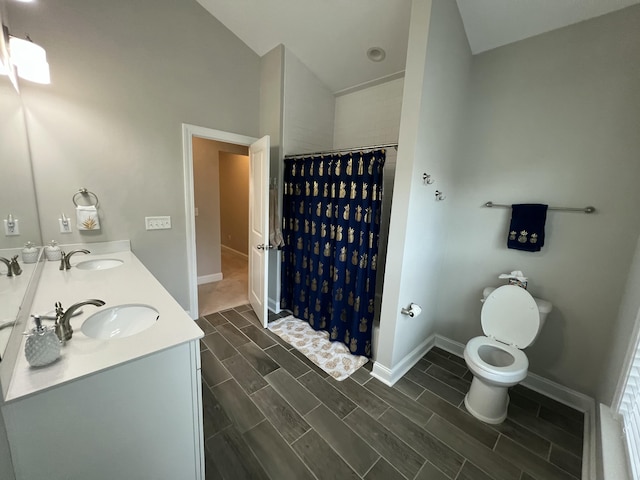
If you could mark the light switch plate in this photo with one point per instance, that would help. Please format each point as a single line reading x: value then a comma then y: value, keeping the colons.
x: 64, y: 227
x: 157, y: 223
x: 11, y: 230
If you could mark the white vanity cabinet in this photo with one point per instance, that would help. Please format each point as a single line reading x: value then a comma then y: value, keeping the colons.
x: 138, y: 420
x: 115, y: 407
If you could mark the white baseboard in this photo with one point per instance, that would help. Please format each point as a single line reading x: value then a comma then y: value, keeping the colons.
x: 233, y: 250
x: 560, y: 393
x: 391, y: 376
x: 382, y: 373
x: 449, y: 345
x: 274, y: 305
x: 214, y: 277
x: 535, y: 382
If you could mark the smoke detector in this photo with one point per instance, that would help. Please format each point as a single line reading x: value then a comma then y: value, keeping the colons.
x: 376, y: 54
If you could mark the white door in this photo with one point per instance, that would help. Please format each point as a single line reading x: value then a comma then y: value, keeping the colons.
x: 259, y: 227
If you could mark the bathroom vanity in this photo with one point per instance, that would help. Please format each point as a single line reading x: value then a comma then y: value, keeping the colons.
x: 114, y: 406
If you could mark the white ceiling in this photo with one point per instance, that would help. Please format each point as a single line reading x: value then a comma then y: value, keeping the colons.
x: 331, y: 37
x: 493, y: 23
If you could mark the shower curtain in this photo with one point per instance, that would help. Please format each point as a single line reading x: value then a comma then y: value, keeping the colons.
x: 331, y: 225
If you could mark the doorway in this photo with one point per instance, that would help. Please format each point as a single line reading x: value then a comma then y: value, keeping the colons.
x: 189, y: 133
x: 221, y: 195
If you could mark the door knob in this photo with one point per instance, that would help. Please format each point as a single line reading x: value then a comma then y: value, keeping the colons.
x: 264, y: 247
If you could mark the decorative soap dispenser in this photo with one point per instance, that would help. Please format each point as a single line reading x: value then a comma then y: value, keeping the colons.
x: 52, y: 251
x: 42, y: 346
x: 30, y: 253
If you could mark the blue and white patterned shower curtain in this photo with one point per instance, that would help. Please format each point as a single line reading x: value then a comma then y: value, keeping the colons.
x: 331, y: 225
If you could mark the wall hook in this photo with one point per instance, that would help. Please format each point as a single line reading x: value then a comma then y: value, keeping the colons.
x: 426, y: 179
x: 439, y: 195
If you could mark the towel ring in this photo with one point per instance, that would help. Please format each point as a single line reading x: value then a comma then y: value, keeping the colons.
x: 84, y: 192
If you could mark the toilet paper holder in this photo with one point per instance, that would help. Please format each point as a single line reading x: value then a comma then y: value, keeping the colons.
x: 413, y: 310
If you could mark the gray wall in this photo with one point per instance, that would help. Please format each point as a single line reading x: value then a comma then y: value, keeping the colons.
x: 624, y: 332
x: 435, y: 86
x: 234, y: 201
x: 551, y: 119
x: 271, y: 120
x: 125, y: 76
x: 206, y: 188
x: 309, y: 109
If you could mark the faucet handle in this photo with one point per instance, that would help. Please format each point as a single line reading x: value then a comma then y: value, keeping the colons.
x: 63, y: 260
x: 15, y: 266
x: 59, y: 311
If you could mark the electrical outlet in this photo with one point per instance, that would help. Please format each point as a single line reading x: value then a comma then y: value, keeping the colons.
x: 157, y: 223
x: 11, y: 227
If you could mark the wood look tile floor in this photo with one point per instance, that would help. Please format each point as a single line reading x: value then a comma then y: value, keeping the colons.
x: 270, y: 413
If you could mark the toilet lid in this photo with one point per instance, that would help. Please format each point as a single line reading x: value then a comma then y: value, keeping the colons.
x: 510, y: 314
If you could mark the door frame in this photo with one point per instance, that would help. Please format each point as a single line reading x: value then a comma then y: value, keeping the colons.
x: 188, y: 132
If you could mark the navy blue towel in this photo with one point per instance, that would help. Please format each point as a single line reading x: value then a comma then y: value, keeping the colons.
x: 526, y: 231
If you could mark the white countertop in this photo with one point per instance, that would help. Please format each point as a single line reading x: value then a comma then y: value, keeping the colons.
x: 82, y: 355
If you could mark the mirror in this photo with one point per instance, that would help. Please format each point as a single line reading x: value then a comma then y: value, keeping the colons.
x: 17, y: 196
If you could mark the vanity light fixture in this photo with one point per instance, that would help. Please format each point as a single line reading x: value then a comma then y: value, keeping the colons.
x: 30, y: 60
x: 5, y: 68
x: 23, y: 57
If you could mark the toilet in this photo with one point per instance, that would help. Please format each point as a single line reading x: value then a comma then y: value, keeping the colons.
x: 511, y: 319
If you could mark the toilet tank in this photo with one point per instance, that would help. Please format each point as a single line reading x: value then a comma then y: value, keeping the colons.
x: 544, y: 307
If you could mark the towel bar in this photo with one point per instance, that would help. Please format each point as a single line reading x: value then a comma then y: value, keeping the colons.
x: 588, y: 209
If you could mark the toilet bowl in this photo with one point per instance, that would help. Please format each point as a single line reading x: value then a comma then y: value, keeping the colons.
x: 511, y: 320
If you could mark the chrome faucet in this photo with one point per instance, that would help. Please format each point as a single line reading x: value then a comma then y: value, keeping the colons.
x: 64, y: 259
x: 63, y: 318
x: 8, y: 264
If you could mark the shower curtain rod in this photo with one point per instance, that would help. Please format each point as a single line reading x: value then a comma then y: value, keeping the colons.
x: 344, y: 150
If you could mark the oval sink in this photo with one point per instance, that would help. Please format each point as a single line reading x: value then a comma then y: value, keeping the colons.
x: 120, y: 321
x: 99, y: 264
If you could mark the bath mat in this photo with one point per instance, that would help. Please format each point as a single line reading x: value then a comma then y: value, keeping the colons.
x: 332, y: 357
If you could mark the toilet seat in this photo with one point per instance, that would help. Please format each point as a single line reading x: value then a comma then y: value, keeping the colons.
x: 510, y: 314
x: 511, y: 373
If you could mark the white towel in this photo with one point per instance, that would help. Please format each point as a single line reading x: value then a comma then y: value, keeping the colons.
x: 87, y: 217
x: 275, y: 231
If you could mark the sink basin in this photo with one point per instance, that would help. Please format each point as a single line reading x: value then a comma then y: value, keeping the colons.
x: 120, y: 321
x: 99, y: 264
